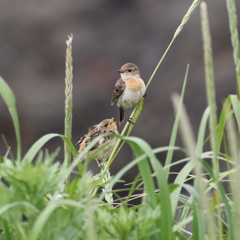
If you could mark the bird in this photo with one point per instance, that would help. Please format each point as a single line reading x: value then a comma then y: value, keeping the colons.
x: 105, y: 126
x: 129, y: 89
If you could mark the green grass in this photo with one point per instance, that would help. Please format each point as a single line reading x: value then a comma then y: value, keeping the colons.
x: 39, y: 200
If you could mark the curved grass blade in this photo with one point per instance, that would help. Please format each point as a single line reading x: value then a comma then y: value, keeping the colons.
x: 70, y: 146
x: 189, y: 141
x: 164, y: 195
x: 32, y: 152
x: 45, y: 214
x: 80, y: 156
x: 225, y: 199
x: 202, y: 131
x: 176, y: 122
x: 180, y: 180
x: 235, y: 102
x: 190, y: 11
x: 222, y: 121
x: 141, y: 149
x: 230, y: 101
x: 9, y: 99
x: 16, y: 204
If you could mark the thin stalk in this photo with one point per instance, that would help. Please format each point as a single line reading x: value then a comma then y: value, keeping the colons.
x: 233, y: 143
x: 202, y: 212
x: 177, y: 32
x: 211, y: 98
x: 233, y: 24
x: 68, y: 100
x: 175, y: 126
x: 210, y: 86
x: 137, y: 110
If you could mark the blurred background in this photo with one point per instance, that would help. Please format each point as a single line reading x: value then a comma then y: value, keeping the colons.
x: 106, y: 34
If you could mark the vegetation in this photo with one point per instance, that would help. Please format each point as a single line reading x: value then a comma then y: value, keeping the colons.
x: 39, y: 200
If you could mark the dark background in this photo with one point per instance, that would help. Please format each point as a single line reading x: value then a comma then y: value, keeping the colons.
x: 106, y: 34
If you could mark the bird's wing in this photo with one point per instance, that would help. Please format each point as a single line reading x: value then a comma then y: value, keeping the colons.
x: 87, y: 138
x: 119, y: 88
x: 81, y: 139
x: 82, y: 143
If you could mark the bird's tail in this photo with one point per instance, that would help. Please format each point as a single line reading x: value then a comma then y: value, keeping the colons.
x: 121, y: 109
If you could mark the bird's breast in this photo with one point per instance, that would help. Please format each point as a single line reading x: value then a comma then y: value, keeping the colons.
x: 134, y: 84
x: 132, y: 94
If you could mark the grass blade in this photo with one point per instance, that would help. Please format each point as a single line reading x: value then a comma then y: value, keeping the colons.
x: 210, y: 86
x: 202, y: 131
x: 33, y: 151
x: 190, y: 11
x: 176, y: 122
x: 139, y: 148
x: 234, y: 146
x: 43, y: 217
x: 9, y: 99
x: 233, y: 24
x: 236, y: 107
x: 200, y: 221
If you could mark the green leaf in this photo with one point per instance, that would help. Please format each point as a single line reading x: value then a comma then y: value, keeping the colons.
x: 202, y: 132
x: 45, y: 214
x: 139, y: 147
x: 176, y: 122
x: 236, y: 107
x: 9, y: 99
x: 32, y: 152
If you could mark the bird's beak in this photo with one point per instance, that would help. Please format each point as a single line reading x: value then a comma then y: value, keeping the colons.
x: 112, y: 122
x: 120, y: 71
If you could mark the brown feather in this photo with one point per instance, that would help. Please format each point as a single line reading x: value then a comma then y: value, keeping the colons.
x: 105, y: 126
x: 119, y: 88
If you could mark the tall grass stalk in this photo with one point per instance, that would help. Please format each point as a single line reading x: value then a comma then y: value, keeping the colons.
x: 68, y: 99
x: 201, y: 208
x: 233, y: 24
x: 177, y: 32
x: 211, y: 98
x: 210, y: 86
x: 234, y: 146
x: 137, y: 111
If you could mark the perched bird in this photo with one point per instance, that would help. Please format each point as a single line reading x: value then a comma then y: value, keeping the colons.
x: 105, y: 126
x: 129, y: 89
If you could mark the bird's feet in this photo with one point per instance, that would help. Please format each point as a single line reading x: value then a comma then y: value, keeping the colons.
x: 130, y: 121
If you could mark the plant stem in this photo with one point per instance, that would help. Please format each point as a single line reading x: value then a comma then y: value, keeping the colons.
x: 68, y: 100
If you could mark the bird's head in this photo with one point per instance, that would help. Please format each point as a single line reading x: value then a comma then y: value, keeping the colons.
x: 129, y: 70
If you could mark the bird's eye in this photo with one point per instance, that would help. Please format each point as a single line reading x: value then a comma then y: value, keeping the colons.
x: 106, y: 125
x: 129, y: 70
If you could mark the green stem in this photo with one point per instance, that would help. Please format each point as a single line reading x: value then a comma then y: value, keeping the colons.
x: 138, y: 108
x: 68, y: 100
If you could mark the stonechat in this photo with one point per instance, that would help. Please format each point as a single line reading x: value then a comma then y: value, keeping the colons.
x: 129, y: 89
x: 105, y: 126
